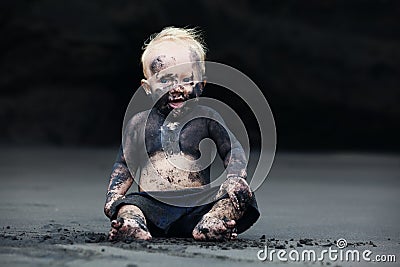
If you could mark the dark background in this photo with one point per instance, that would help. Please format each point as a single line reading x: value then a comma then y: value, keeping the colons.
x: 329, y: 69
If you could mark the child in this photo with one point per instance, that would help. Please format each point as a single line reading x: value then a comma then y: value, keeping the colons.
x: 171, y: 84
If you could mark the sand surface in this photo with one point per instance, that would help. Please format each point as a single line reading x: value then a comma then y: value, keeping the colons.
x: 52, y: 199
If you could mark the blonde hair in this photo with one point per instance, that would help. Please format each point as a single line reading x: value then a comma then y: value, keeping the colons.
x: 192, y: 37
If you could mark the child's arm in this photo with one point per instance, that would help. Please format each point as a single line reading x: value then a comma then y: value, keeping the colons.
x: 120, y: 181
x: 235, y: 163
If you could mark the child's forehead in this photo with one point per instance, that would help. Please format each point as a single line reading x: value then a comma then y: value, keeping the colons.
x: 177, y: 51
x: 168, y: 56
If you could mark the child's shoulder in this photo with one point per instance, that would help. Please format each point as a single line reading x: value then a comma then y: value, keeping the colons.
x: 210, y: 113
x: 138, y: 120
x: 206, y: 110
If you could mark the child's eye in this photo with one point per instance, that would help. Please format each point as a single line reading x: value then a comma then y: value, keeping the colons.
x: 186, y: 80
x: 163, y: 80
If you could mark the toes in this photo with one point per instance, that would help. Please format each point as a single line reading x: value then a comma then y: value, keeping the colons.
x: 128, y: 229
x: 137, y: 233
x: 214, y: 229
x: 117, y: 223
x: 112, y: 235
x: 199, y: 234
x: 201, y: 231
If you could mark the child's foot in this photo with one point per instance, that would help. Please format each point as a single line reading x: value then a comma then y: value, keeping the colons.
x: 129, y: 225
x: 214, y: 229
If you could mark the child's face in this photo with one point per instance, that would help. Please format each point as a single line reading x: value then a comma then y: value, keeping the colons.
x: 174, y: 74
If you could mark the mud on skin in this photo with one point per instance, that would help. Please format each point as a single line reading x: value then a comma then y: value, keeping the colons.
x: 120, y: 181
x: 218, y: 222
x: 157, y: 64
x: 130, y: 223
x: 238, y: 191
x: 160, y: 63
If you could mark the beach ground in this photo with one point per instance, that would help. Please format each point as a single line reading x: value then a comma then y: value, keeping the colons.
x: 52, y: 212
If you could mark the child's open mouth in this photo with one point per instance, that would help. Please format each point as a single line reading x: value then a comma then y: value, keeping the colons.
x: 176, y: 102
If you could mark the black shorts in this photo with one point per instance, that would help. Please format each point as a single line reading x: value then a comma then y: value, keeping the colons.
x: 168, y: 220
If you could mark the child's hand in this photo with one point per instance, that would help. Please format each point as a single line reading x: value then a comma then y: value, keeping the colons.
x: 238, y: 190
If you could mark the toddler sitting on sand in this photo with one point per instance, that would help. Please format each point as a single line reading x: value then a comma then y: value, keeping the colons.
x: 174, y: 69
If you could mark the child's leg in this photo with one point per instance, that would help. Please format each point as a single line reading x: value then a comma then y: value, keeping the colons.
x: 219, y: 223
x: 130, y: 223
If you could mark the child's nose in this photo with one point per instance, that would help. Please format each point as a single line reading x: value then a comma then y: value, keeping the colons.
x: 178, y: 88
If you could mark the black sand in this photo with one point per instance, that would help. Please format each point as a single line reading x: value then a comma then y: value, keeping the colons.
x: 52, y: 200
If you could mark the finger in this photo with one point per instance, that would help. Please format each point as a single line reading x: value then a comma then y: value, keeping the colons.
x: 247, y: 192
x: 242, y: 200
x: 234, y: 200
x: 230, y: 224
x: 230, y: 234
x: 202, y: 237
x: 243, y: 197
x: 224, y: 235
x: 234, y: 236
x: 198, y: 235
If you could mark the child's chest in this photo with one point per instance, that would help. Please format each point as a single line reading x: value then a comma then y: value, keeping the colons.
x: 174, y: 137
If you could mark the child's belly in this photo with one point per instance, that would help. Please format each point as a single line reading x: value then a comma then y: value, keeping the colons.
x: 172, y: 173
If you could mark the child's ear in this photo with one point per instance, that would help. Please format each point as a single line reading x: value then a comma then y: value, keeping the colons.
x: 146, y: 86
x: 203, y: 83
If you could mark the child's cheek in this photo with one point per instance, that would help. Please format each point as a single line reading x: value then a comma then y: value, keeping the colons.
x: 158, y: 94
x: 188, y: 91
x: 162, y: 89
x: 195, y: 91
